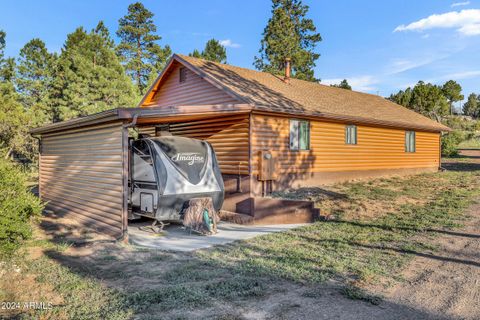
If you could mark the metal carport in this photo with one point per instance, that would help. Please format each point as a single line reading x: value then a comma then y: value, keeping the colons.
x: 83, y: 163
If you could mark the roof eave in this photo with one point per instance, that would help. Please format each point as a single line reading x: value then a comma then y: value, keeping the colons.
x: 125, y: 114
x: 360, y: 120
x: 101, y: 117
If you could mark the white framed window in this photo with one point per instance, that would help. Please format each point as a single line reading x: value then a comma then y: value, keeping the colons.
x: 410, y: 141
x: 351, y: 134
x: 299, y: 134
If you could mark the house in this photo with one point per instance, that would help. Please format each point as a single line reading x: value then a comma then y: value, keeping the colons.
x: 269, y: 132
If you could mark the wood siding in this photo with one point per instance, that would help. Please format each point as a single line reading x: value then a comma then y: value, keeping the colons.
x: 377, y: 148
x: 82, y: 175
x: 194, y: 91
x: 228, y: 136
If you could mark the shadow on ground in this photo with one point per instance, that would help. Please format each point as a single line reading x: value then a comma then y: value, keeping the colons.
x: 163, y: 285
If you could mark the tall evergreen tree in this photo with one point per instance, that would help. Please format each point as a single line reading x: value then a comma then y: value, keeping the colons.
x: 35, y: 74
x: 90, y: 77
x: 429, y: 100
x: 14, y: 122
x: 403, y: 98
x: 138, y: 48
x: 7, y: 65
x: 424, y: 98
x: 196, y: 54
x: 3, y: 35
x: 453, y: 92
x: 472, y: 106
x: 289, y: 34
x: 343, y: 84
x: 214, y: 51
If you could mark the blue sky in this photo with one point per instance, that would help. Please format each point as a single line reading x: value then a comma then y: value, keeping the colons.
x: 380, y: 46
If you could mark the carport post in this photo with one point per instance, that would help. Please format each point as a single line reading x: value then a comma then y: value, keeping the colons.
x: 125, y: 175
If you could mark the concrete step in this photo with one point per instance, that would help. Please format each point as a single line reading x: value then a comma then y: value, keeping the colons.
x: 235, y: 217
x: 278, y: 211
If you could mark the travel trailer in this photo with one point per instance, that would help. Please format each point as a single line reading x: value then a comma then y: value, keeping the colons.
x: 167, y: 171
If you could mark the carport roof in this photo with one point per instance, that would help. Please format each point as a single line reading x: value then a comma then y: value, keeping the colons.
x: 145, y: 115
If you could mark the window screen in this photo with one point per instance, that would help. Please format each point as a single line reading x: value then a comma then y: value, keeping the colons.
x: 299, y: 135
x: 410, y: 141
x: 351, y: 134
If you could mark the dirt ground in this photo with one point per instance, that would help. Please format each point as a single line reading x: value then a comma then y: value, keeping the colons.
x: 440, y: 285
x: 445, y: 285
x: 448, y: 283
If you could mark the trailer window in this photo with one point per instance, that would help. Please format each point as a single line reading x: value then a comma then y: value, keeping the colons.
x: 299, y: 135
x: 142, y: 162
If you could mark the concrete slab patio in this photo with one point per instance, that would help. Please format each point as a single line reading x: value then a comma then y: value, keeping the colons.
x: 176, y: 238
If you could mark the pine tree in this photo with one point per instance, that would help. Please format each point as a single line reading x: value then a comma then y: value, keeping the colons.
x: 403, y: 98
x: 138, y: 48
x: 453, y: 92
x: 289, y: 34
x: 14, y: 121
x: 35, y: 74
x: 3, y: 35
x: 343, y: 84
x: 214, y: 51
x: 472, y: 106
x: 7, y: 65
x: 90, y: 77
x: 196, y: 54
x: 425, y: 98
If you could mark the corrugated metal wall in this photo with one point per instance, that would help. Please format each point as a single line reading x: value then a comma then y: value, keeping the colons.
x: 82, y: 175
x: 194, y: 91
x: 377, y: 148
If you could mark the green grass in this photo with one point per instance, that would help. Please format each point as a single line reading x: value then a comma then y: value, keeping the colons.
x: 83, y: 297
x: 380, y: 225
x: 473, y: 143
x: 355, y: 293
x: 359, y: 249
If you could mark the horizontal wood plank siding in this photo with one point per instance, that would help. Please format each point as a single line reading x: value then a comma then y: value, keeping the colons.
x: 228, y: 136
x: 81, y: 175
x: 194, y: 91
x: 377, y: 148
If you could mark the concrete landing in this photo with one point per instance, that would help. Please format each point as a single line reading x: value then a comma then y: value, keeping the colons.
x: 176, y: 238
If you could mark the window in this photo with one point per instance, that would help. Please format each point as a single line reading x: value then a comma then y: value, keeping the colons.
x: 142, y: 162
x: 351, y: 134
x: 183, y: 74
x: 299, y: 135
x: 410, y: 141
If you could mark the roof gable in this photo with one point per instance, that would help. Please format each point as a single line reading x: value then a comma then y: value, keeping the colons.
x: 168, y: 90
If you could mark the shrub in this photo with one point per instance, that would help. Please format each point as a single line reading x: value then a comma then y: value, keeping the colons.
x: 450, y: 143
x: 17, y: 206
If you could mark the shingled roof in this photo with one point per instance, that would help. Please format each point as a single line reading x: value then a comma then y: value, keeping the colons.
x: 268, y: 92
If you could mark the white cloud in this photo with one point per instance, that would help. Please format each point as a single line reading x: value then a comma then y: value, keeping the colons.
x: 460, y: 4
x: 402, y: 65
x: 456, y: 76
x: 229, y: 43
x: 467, y: 22
x: 470, y: 30
x: 361, y: 83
